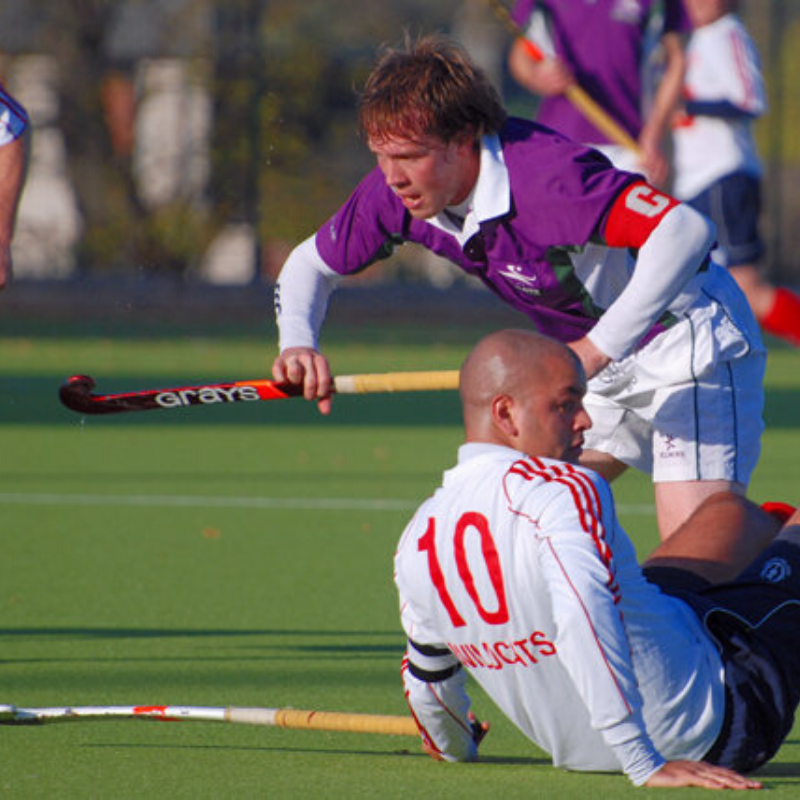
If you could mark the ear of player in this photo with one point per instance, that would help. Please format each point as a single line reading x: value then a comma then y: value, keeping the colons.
x: 76, y: 393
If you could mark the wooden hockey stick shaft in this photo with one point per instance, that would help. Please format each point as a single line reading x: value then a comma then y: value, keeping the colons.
x: 575, y: 94
x: 296, y: 719
x: 396, y: 382
x: 326, y: 721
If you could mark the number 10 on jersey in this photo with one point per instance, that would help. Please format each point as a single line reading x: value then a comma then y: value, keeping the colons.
x: 469, y: 524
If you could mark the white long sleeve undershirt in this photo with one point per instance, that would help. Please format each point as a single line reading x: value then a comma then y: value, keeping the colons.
x: 665, y: 277
x: 302, y: 292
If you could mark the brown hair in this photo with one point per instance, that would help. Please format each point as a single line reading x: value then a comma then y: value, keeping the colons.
x: 429, y: 88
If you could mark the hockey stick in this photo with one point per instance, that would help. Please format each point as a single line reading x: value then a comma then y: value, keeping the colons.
x: 76, y: 392
x: 276, y: 717
x: 575, y: 94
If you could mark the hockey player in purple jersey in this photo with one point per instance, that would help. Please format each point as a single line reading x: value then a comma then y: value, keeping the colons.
x: 595, y: 257
x: 606, y: 47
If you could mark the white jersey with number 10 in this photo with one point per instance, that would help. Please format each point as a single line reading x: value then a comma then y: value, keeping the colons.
x: 521, y: 569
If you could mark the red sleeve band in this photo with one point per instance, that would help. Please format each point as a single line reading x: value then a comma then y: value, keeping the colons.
x: 634, y: 214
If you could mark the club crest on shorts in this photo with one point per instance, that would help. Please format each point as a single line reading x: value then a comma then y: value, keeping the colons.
x: 776, y: 570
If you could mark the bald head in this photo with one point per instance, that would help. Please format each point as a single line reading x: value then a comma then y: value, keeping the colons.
x: 501, y: 377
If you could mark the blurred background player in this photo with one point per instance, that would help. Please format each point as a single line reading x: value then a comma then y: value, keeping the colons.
x: 717, y: 168
x: 13, y: 162
x: 605, y: 46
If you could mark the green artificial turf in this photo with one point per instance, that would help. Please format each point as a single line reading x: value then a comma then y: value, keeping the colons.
x: 242, y: 555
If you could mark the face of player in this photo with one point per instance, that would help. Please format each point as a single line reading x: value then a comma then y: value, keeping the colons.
x: 427, y: 174
x: 551, y: 419
x: 704, y: 12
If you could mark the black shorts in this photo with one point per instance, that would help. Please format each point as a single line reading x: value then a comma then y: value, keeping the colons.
x: 755, y: 622
x: 733, y: 203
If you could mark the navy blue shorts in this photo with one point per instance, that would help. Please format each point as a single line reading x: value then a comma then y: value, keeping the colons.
x: 733, y: 203
x: 755, y: 622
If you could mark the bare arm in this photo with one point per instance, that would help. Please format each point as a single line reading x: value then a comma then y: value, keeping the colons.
x: 664, y: 104
x: 547, y: 77
x: 13, y: 165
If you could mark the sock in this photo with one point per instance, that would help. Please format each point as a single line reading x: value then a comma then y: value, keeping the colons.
x: 781, y: 511
x: 783, y: 319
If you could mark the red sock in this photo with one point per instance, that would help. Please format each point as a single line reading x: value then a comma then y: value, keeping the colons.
x: 781, y: 511
x: 783, y: 319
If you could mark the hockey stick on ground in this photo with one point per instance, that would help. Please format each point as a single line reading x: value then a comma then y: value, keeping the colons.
x: 575, y: 94
x: 76, y: 392
x: 276, y: 717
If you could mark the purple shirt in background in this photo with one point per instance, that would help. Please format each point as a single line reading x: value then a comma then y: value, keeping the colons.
x: 603, y: 42
x: 560, y: 194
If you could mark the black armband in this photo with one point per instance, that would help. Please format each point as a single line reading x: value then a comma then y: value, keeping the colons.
x: 430, y: 663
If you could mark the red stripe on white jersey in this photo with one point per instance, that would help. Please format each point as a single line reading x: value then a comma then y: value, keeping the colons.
x: 741, y: 58
x: 428, y: 742
x: 591, y: 627
x: 587, y: 503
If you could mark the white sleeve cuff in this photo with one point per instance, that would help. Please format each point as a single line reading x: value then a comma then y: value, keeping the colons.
x: 633, y: 748
x: 441, y: 709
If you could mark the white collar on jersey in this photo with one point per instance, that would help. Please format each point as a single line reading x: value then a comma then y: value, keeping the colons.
x: 473, y: 454
x: 472, y: 450
x: 490, y: 197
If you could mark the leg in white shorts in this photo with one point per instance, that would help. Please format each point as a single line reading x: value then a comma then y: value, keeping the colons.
x: 687, y: 408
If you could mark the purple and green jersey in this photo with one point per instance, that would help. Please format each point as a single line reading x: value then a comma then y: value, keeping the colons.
x: 539, y: 200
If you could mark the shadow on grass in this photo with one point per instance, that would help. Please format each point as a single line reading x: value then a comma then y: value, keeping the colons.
x: 779, y: 770
x: 26, y: 400
x: 263, y: 749
x: 164, y: 633
x: 780, y: 409
x: 485, y: 761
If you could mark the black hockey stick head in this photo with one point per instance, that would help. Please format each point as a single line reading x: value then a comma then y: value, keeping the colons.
x: 76, y: 394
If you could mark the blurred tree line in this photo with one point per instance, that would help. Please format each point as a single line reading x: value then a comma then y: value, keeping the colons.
x: 280, y: 78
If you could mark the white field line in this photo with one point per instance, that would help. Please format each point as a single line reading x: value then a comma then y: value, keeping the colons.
x: 199, y: 501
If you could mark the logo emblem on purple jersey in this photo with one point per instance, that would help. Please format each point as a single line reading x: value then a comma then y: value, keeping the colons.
x: 627, y: 11
x: 525, y: 283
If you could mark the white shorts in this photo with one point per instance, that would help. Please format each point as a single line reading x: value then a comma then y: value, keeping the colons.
x: 689, y: 405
